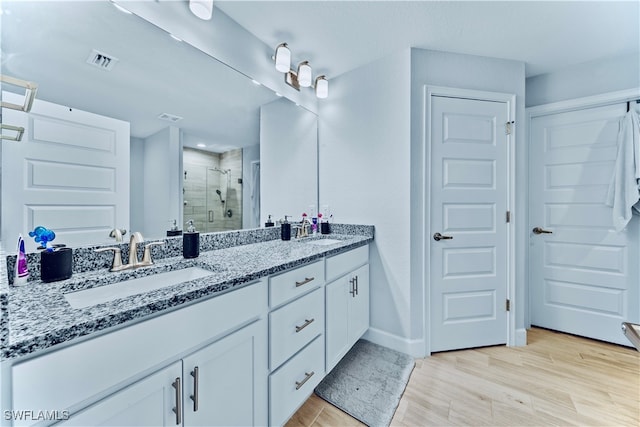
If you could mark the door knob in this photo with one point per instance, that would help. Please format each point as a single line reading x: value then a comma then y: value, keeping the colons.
x: 437, y: 237
x: 539, y: 230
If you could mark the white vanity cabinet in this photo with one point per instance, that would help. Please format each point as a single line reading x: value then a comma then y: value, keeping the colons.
x: 105, y: 378
x: 296, y: 338
x: 148, y: 402
x: 215, y: 386
x: 347, y: 302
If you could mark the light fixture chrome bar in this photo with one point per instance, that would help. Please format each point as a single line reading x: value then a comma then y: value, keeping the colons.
x: 29, y: 95
x: 17, y: 137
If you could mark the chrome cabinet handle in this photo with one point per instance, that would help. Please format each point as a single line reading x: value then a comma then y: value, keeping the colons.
x: 194, y: 396
x: 307, y: 375
x: 307, y: 322
x: 353, y: 292
x: 539, y: 230
x: 305, y: 281
x: 356, y: 279
x: 178, y: 409
x: 437, y: 237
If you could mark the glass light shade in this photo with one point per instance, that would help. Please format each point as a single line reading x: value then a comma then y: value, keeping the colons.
x: 304, y: 74
x: 322, y: 87
x: 203, y: 9
x: 283, y: 58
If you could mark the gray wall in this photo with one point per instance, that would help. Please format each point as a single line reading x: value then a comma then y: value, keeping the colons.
x: 591, y: 78
x: 364, y: 174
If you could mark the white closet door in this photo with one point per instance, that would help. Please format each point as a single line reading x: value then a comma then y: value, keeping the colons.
x: 70, y: 173
x: 583, y: 276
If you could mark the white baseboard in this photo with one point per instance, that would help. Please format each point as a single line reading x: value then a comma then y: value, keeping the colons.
x: 414, y: 348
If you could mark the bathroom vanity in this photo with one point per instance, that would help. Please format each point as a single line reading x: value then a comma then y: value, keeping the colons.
x: 243, y: 342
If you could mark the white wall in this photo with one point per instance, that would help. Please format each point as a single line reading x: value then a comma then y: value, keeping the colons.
x: 136, y: 184
x: 161, y: 173
x: 364, y: 136
x: 591, y: 78
x: 288, y: 160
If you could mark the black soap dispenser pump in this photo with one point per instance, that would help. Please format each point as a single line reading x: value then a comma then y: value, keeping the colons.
x: 269, y: 223
x: 190, y: 241
x: 285, y: 229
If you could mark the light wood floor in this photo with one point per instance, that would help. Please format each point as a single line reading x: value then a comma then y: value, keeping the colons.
x: 557, y: 379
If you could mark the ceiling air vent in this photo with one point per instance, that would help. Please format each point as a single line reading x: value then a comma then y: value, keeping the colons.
x: 169, y: 117
x: 102, y: 60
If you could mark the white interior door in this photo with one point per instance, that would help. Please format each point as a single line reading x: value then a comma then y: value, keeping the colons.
x: 469, y: 199
x: 70, y: 173
x: 583, y: 275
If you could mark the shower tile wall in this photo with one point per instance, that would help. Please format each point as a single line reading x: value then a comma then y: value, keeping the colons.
x: 233, y: 160
x: 195, y: 164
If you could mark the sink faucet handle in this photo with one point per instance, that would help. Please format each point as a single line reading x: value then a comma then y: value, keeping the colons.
x: 146, y: 258
x: 117, y: 233
x: 117, y: 258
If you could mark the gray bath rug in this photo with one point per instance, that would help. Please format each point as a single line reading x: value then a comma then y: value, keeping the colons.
x: 368, y: 383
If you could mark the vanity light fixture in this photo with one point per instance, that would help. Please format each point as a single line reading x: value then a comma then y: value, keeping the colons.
x: 303, y: 76
x: 203, y: 9
x: 322, y: 87
x: 282, y: 58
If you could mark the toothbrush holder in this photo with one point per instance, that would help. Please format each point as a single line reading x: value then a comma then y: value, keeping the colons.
x: 56, y: 265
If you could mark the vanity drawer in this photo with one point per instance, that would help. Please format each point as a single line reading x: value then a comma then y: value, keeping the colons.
x: 293, y: 283
x: 294, y: 326
x: 343, y: 263
x: 294, y: 382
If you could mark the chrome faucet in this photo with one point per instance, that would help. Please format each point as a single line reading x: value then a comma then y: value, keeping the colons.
x: 136, y: 238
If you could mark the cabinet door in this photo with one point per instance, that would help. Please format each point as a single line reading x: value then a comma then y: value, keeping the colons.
x: 230, y: 386
x: 359, y: 305
x: 148, y: 402
x: 337, y: 321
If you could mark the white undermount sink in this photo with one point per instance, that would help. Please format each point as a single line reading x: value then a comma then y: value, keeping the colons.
x: 323, y: 242
x: 101, y: 294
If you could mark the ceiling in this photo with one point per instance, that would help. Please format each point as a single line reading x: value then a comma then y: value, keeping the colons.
x: 338, y: 36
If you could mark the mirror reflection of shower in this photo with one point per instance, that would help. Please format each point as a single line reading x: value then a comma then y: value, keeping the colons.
x: 213, y: 189
x: 226, y: 211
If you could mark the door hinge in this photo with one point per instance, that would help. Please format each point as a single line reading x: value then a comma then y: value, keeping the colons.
x: 508, y: 216
x: 508, y: 305
x: 507, y: 127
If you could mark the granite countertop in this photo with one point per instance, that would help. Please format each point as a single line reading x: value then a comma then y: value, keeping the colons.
x: 38, y: 316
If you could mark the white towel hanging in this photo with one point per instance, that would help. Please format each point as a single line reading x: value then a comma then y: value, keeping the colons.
x: 624, y: 189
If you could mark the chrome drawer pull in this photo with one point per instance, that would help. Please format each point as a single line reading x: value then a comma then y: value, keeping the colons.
x: 306, y: 378
x: 305, y: 281
x: 353, y: 290
x: 178, y: 408
x: 307, y: 322
x: 194, y: 396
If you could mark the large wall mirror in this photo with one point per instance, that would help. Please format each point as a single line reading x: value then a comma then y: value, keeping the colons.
x: 197, y: 128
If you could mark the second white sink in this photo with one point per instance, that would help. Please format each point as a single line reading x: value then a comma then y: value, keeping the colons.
x: 101, y: 294
x: 323, y: 242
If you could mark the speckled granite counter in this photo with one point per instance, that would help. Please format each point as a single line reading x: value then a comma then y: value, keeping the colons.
x: 37, y: 316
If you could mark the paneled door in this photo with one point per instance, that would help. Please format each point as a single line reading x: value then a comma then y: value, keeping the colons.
x: 469, y: 241
x: 583, y: 275
x: 70, y: 173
